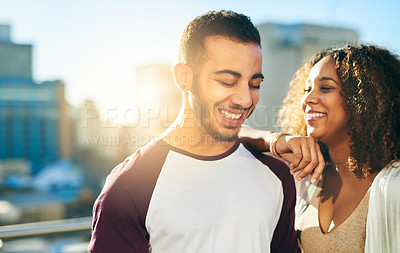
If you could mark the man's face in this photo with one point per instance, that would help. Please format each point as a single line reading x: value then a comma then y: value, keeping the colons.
x: 226, y: 86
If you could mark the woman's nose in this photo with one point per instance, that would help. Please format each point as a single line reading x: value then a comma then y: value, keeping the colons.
x: 311, y: 97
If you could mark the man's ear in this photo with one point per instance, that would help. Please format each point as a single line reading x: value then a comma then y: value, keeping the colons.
x: 183, y: 75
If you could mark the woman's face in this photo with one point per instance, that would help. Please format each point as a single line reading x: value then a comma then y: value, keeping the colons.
x: 323, y: 105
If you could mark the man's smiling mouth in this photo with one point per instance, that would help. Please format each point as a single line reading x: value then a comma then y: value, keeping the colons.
x: 230, y: 115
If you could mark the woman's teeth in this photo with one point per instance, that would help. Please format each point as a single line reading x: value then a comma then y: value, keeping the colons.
x: 314, y: 115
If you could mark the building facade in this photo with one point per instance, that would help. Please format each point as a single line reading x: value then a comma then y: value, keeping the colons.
x: 34, y: 124
x: 285, y: 48
x: 159, y: 99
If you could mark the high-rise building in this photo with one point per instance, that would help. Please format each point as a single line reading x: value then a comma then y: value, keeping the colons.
x: 285, y: 48
x: 34, y: 124
x: 159, y: 100
x: 15, y: 59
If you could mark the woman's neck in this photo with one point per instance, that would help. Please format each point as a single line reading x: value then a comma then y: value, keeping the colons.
x: 339, y: 152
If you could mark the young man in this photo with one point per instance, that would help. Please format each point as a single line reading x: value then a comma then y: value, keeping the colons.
x: 199, y: 188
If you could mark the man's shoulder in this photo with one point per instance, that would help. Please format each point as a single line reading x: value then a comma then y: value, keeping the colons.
x: 142, y: 165
x: 275, y: 165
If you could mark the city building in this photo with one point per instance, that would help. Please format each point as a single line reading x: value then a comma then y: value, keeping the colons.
x: 159, y: 100
x: 34, y: 124
x: 102, y: 143
x: 285, y: 47
x: 97, y: 135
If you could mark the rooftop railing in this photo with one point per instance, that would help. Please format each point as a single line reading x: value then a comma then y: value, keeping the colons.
x: 45, y: 227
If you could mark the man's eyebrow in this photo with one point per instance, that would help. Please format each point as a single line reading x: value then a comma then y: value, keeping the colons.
x: 238, y: 75
x: 325, y: 78
x: 259, y: 75
x: 227, y: 71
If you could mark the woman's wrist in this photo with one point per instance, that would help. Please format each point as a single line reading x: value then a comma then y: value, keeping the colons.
x: 273, y: 140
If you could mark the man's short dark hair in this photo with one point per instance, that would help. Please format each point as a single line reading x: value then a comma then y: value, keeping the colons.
x: 222, y: 23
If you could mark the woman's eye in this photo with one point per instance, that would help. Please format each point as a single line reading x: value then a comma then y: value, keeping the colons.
x: 307, y: 90
x: 325, y: 88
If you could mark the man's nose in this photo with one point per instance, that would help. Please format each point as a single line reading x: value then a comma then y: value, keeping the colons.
x: 242, y: 96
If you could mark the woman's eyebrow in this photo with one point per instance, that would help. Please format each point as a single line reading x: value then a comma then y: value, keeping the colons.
x: 326, y: 78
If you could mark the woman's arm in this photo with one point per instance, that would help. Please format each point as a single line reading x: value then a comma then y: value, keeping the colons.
x: 302, y: 152
x: 383, y: 221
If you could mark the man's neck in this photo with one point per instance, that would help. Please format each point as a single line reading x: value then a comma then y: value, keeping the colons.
x: 194, y: 139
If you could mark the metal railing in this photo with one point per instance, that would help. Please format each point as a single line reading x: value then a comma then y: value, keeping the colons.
x: 45, y: 227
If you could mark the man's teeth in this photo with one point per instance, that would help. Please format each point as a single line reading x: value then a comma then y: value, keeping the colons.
x: 231, y: 115
x: 314, y: 115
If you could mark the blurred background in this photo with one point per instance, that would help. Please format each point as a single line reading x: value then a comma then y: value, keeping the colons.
x: 83, y: 84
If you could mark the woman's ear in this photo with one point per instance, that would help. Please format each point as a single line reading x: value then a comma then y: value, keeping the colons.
x: 183, y: 75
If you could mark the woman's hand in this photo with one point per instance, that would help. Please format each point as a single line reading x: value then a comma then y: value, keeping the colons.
x: 303, y: 154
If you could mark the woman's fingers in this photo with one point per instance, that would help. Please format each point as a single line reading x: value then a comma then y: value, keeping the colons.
x: 309, y: 160
x: 317, y: 174
x: 304, y: 156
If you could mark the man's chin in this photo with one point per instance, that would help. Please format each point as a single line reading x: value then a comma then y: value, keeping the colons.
x: 229, y: 135
x: 222, y: 133
x: 224, y: 138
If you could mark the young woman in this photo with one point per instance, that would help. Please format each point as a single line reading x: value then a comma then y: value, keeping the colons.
x: 350, y: 103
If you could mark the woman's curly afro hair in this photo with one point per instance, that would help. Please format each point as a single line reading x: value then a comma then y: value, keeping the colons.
x: 370, y: 77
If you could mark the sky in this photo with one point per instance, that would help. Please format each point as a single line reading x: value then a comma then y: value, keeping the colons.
x: 94, y: 46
